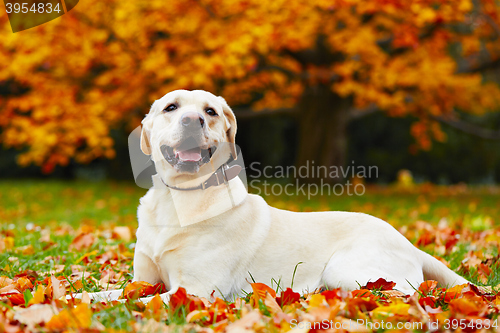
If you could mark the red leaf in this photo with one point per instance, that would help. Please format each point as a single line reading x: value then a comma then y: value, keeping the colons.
x: 380, y: 284
x: 17, y: 299
x: 429, y: 301
x: 181, y: 298
x: 288, y: 297
x: 333, y: 294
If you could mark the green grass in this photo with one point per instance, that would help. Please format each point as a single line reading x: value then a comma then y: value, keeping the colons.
x: 30, y: 209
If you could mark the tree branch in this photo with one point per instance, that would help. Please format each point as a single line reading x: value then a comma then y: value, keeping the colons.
x: 290, y: 74
x: 207, y: 8
x: 355, y: 113
x: 492, y: 23
x: 493, y: 63
x: 469, y: 128
x: 248, y: 113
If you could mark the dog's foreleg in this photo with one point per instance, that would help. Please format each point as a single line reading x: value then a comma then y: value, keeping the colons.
x: 101, y: 296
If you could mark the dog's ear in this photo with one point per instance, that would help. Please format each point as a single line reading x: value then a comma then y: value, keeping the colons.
x: 145, y: 145
x: 231, y: 131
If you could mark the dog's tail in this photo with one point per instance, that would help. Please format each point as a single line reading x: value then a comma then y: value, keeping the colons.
x: 436, y: 270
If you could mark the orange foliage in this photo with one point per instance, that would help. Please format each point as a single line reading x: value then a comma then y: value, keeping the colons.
x: 100, y: 66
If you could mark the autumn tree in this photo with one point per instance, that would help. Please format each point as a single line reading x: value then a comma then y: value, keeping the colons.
x: 100, y: 66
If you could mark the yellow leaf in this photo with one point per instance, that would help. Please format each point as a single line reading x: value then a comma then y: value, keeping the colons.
x: 316, y: 300
x: 197, y: 315
x: 38, y: 296
x: 78, y: 317
x: 92, y: 253
x: 396, y: 308
x: 8, y: 242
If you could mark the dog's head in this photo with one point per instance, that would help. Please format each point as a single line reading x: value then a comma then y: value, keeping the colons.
x: 188, y: 134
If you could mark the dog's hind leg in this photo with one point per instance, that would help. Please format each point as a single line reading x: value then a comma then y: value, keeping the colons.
x: 350, y: 271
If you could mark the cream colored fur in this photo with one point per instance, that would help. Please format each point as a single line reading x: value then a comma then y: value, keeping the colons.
x: 226, y: 244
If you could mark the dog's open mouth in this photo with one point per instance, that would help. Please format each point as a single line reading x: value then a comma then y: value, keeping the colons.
x: 188, y: 152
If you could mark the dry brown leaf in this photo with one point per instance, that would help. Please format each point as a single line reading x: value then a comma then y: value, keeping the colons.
x: 122, y: 233
x: 152, y: 325
x: 82, y: 241
x: 58, y: 289
x: 271, y: 304
x: 393, y: 293
x: 85, y: 297
x: 5, y: 281
x: 27, y: 249
x: 35, y: 315
x: 245, y: 324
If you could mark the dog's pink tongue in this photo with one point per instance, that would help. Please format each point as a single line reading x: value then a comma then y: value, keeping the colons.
x: 190, y: 155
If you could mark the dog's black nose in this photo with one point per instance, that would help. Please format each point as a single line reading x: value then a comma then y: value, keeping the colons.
x: 192, y: 120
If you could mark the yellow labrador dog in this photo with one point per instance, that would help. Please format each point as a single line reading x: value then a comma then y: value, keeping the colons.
x: 199, y: 229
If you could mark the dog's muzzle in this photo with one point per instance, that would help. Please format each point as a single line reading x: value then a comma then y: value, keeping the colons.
x: 187, y: 153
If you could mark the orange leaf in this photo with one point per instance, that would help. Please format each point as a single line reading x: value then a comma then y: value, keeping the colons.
x: 360, y: 304
x: 427, y: 287
x: 363, y: 293
x: 469, y: 306
x: 260, y: 290
x: 154, y: 307
x: 139, y: 289
x: 453, y: 293
x: 23, y: 283
x: 135, y: 289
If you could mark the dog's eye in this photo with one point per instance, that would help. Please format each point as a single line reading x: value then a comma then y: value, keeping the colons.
x: 211, y: 112
x: 169, y: 108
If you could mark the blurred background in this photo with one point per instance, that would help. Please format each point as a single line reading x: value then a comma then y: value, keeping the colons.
x: 389, y: 83
x: 409, y: 87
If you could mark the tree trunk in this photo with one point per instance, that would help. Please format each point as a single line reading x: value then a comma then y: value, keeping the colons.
x: 322, y: 119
